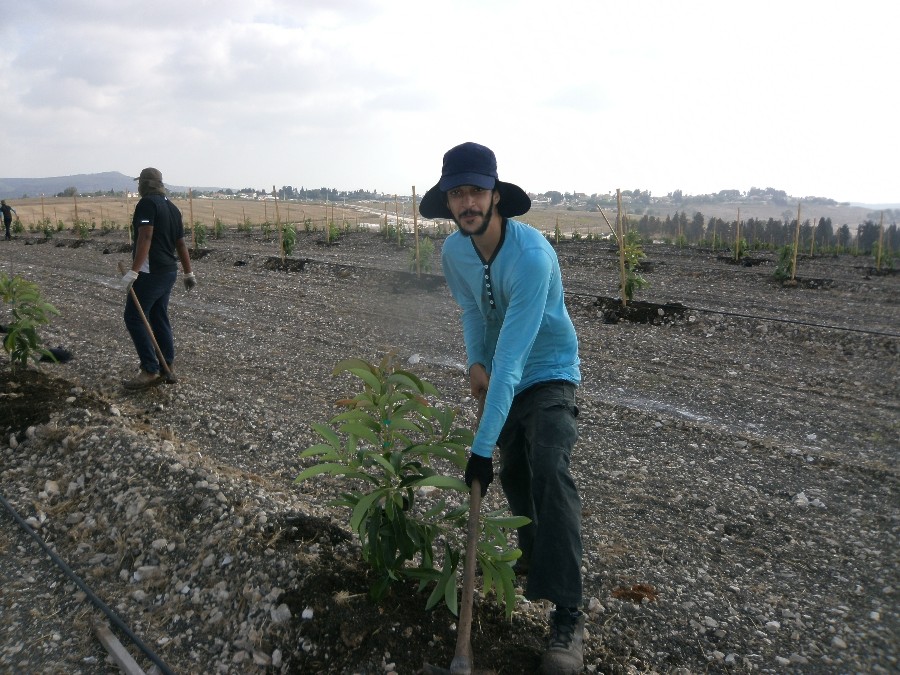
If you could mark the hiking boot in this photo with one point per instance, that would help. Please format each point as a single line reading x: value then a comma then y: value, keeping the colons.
x: 168, y: 376
x: 565, y: 649
x: 144, y: 380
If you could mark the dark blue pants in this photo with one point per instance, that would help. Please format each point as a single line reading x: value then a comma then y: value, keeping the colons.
x: 535, y: 447
x: 153, y: 291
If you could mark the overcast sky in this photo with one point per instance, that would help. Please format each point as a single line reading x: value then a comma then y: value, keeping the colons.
x: 572, y: 95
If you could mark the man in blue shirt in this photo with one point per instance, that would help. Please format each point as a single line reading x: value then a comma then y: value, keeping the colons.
x: 522, y: 355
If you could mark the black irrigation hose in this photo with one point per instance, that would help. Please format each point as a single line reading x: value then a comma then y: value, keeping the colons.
x: 102, y: 606
x: 795, y: 321
x: 769, y: 318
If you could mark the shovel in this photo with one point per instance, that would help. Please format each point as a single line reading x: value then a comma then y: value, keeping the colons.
x: 159, y: 354
x: 462, y: 663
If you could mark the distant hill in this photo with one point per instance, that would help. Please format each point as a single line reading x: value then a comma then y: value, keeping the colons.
x: 17, y: 188
x: 85, y: 183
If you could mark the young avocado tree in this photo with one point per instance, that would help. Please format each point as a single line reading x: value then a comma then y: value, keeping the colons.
x: 388, y: 448
x: 28, y: 311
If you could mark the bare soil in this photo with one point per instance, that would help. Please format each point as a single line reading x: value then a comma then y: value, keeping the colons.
x: 737, y: 463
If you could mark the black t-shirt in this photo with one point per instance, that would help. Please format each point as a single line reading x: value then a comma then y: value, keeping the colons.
x: 164, y: 216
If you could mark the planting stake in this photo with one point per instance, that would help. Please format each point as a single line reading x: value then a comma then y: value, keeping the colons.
x: 416, y: 232
x: 737, y: 237
x: 620, y: 233
x: 880, y: 244
x: 75, y: 199
x: 397, y: 217
x: 796, y: 244
x: 278, y: 225
x: 193, y: 228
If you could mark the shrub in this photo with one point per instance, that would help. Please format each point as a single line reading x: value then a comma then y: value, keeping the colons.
x: 28, y: 311
x: 199, y: 234
x: 219, y: 228
x: 385, y: 447
x: 288, y: 239
x: 634, y: 253
x: 785, y: 261
x: 426, y: 253
x: 82, y: 228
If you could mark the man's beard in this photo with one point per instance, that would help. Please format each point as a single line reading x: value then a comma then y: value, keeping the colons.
x: 484, y: 224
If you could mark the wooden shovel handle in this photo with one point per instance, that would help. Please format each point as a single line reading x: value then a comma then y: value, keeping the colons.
x: 462, y: 659
x: 462, y: 663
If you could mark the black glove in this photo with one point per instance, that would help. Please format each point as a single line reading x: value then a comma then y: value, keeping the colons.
x: 481, y: 468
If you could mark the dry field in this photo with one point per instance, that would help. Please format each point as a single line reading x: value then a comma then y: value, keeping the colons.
x: 234, y: 211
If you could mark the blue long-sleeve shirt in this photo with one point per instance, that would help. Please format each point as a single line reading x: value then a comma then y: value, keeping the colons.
x: 514, y: 318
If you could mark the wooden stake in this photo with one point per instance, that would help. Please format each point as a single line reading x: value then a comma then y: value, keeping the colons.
x: 620, y: 233
x: 737, y: 237
x: 880, y: 244
x: 278, y: 225
x: 415, y: 232
x: 397, y: 217
x: 614, y: 233
x: 75, y: 199
x: 193, y: 227
x: 796, y: 244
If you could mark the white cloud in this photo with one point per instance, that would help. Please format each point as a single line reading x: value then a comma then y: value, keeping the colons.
x: 572, y: 95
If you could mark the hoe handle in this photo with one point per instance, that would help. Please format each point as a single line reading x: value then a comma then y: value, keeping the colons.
x: 462, y: 663
x: 462, y: 659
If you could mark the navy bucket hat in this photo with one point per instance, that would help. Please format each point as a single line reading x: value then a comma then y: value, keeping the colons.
x: 472, y: 164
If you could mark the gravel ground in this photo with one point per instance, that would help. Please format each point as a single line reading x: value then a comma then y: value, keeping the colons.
x: 738, y: 467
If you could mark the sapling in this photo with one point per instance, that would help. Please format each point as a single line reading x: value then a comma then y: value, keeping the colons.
x: 288, y: 239
x: 634, y: 253
x: 199, y: 234
x: 426, y: 251
x: 388, y: 447
x: 28, y: 311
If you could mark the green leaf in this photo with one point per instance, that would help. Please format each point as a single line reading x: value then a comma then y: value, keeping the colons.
x: 487, y: 575
x: 510, y: 522
x: 362, y: 508
x: 328, y: 468
x: 369, y: 378
x: 405, y: 380
x: 384, y: 463
x: 349, y: 364
x: 448, y: 482
x: 450, y: 597
x: 321, y: 449
x: 362, y: 431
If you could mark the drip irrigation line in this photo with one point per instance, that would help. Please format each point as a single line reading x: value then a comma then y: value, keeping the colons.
x: 768, y: 318
x: 795, y: 321
x: 102, y: 606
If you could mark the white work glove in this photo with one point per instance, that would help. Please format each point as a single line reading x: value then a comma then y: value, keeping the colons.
x: 189, y: 281
x: 127, y: 279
